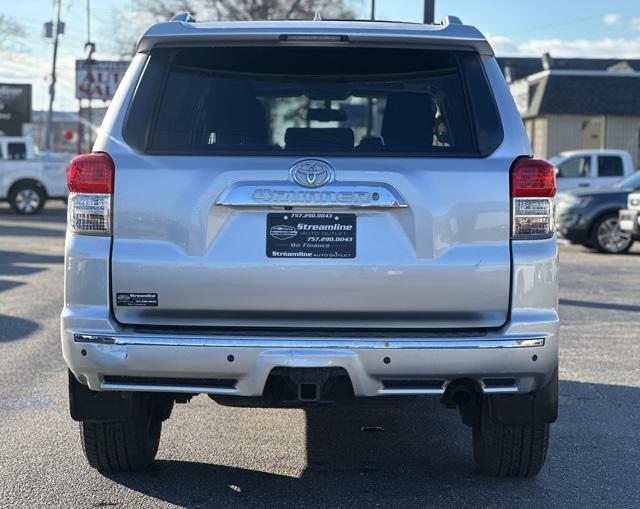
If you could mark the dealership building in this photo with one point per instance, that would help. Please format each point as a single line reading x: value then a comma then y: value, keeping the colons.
x: 575, y: 103
x: 70, y: 130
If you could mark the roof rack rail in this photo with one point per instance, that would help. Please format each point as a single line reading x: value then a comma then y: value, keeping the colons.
x: 184, y: 16
x: 451, y: 20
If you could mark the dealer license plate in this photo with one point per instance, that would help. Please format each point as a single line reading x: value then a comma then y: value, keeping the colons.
x: 311, y: 235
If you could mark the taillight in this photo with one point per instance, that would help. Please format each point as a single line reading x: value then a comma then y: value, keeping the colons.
x: 90, y: 182
x: 533, y: 186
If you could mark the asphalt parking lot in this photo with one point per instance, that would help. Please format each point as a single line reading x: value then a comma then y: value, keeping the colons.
x: 415, y: 455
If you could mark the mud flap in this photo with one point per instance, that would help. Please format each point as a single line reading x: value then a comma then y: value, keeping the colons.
x: 536, y: 407
x: 86, y: 405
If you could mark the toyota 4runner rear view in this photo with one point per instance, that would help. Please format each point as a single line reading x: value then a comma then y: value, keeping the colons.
x: 299, y: 213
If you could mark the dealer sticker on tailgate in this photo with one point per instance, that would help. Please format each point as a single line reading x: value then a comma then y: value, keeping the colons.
x: 311, y: 235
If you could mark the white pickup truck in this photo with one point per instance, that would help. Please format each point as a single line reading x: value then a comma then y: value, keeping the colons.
x: 586, y: 168
x: 28, y: 179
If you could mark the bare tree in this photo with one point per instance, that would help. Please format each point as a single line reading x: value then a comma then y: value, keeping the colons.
x: 276, y: 9
x: 145, y: 12
x: 163, y: 10
x: 11, y: 32
x: 236, y: 10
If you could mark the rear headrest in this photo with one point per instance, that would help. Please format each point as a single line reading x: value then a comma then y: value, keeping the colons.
x: 310, y: 138
x: 408, y: 122
x: 372, y: 143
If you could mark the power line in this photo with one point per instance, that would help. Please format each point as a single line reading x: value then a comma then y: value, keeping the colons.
x: 556, y: 25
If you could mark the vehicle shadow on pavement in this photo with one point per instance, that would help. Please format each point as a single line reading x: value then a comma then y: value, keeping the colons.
x: 23, y: 230
x: 53, y: 214
x: 8, y: 284
x: 599, y: 305
x: 16, y: 263
x: 14, y: 328
x: 18, y: 225
x: 19, y: 263
x: 37, y: 225
x: 419, y: 455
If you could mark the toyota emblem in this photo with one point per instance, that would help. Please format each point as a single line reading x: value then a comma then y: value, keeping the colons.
x: 311, y: 173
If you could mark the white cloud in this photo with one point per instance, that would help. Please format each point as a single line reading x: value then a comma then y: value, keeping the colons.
x: 600, y: 48
x: 582, y: 48
x: 502, y: 45
x: 611, y: 19
x: 18, y: 65
x: 635, y: 23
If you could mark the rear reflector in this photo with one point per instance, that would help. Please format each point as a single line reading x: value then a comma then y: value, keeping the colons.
x: 90, y: 180
x: 91, y: 173
x: 532, y: 227
x: 533, y: 185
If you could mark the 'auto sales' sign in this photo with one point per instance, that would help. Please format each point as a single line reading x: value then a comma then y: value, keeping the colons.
x: 98, y: 79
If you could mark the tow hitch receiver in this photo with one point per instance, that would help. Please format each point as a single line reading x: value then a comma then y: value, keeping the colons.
x: 309, y: 382
x: 308, y: 385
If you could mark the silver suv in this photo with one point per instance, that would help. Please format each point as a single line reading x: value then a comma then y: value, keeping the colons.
x: 298, y: 213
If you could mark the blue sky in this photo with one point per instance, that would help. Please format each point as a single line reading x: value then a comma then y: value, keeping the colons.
x: 582, y: 28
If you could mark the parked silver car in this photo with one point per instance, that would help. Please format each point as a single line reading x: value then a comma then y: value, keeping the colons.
x: 282, y: 213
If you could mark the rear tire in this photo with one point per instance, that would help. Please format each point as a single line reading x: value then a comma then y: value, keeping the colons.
x: 27, y: 198
x: 606, y: 236
x: 509, y: 450
x: 121, y: 445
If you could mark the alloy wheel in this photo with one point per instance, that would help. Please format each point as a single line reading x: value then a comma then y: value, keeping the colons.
x: 27, y: 201
x: 611, y: 238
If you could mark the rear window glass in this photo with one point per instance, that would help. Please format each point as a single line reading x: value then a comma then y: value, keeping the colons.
x: 16, y: 151
x: 610, y: 166
x: 281, y: 100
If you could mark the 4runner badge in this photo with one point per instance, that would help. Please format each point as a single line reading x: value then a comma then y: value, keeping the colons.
x: 311, y: 173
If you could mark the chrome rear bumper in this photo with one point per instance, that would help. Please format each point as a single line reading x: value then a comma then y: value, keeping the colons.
x: 240, y: 365
x: 351, y: 344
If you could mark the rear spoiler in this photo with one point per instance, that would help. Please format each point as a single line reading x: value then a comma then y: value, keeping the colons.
x: 183, y: 31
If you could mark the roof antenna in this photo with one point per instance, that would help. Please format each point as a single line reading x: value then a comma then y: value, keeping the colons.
x: 317, y: 16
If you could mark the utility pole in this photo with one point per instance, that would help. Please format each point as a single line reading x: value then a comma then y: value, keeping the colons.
x: 88, y: 20
x: 429, y: 11
x: 52, y: 86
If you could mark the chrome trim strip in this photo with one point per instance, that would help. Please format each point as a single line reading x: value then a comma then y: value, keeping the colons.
x: 205, y: 389
x: 260, y: 342
x: 507, y: 389
x: 336, y: 194
x: 408, y: 391
x: 108, y: 386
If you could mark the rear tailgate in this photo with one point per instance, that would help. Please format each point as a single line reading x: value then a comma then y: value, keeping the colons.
x: 201, y: 221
